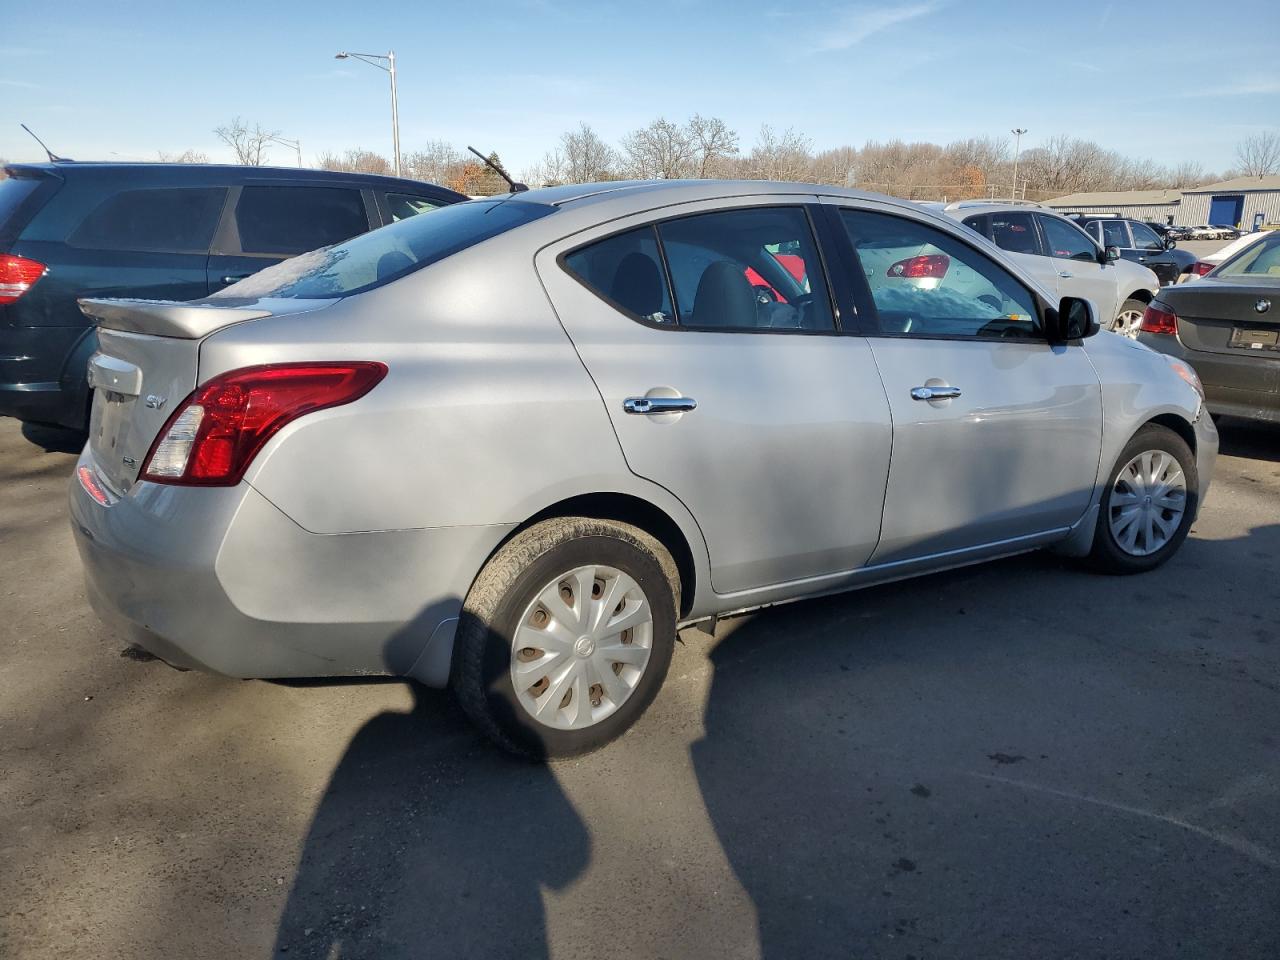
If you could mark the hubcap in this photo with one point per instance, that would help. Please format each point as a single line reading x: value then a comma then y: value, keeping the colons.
x: 1148, y: 501
x: 581, y: 647
x: 1127, y: 324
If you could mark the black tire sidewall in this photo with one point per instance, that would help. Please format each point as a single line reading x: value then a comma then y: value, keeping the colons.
x: 1105, y: 548
x: 597, y: 549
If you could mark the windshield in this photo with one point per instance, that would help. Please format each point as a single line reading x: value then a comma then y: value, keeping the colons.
x: 1261, y: 259
x: 381, y: 256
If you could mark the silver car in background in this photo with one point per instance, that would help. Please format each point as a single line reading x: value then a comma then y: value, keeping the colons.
x: 511, y: 445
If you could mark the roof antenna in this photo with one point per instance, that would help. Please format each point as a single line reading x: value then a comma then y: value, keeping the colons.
x: 515, y: 187
x: 53, y: 157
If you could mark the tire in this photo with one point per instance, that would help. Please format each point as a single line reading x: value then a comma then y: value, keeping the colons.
x: 1128, y: 318
x: 1110, y: 553
x: 506, y: 602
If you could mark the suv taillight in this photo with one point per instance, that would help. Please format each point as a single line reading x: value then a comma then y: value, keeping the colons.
x: 1200, y: 268
x: 926, y: 265
x: 1158, y: 320
x: 217, y: 431
x: 17, y: 274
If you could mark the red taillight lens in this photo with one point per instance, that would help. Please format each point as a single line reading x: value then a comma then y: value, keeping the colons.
x: 1158, y: 320
x: 17, y: 274
x: 1200, y: 268
x: 914, y: 268
x: 217, y: 431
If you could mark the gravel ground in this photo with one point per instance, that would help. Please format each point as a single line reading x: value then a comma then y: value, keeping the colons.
x: 1016, y: 760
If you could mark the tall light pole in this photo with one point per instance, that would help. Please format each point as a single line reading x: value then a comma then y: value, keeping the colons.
x: 1017, y: 152
x: 295, y: 144
x: 371, y: 59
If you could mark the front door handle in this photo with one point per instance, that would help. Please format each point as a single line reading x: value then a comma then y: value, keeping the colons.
x: 650, y: 405
x: 934, y: 393
x: 1065, y: 273
x: 236, y: 278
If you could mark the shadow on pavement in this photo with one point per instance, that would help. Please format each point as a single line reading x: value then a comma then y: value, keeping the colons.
x: 416, y: 849
x: 1248, y: 438
x: 54, y: 439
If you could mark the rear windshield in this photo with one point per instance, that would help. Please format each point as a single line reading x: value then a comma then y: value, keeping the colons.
x: 381, y: 256
x: 1262, y: 259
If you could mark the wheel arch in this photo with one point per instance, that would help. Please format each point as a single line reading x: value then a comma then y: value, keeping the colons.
x: 1178, y: 424
x: 1140, y: 294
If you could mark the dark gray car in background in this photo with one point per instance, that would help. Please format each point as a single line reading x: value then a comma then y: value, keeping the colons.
x: 1227, y: 326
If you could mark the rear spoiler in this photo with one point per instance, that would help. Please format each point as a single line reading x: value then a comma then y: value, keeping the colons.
x: 165, y: 318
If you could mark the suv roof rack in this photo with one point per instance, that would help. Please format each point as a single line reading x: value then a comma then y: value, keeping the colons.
x: 962, y: 204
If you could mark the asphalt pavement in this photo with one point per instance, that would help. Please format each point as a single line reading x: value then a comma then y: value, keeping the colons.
x: 1017, y: 760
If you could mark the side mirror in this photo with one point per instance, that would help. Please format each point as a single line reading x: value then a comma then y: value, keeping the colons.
x: 1170, y: 243
x: 1111, y: 254
x: 1074, y: 319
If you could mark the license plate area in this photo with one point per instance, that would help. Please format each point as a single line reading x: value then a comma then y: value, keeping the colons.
x: 1244, y: 338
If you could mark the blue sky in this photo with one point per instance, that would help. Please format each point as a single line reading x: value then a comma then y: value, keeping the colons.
x: 109, y: 80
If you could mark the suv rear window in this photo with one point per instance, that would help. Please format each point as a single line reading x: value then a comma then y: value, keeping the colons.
x: 373, y: 259
x: 176, y: 220
x: 290, y: 220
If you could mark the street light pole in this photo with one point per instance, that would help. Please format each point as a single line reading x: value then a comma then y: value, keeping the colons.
x: 1017, y: 152
x: 295, y: 144
x: 390, y: 57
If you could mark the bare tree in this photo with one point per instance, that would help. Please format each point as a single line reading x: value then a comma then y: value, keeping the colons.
x: 250, y: 145
x: 714, y: 145
x: 782, y: 156
x: 582, y: 157
x: 1259, y: 155
x: 436, y: 162
x: 660, y: 151
x: 358, y: 160
x: 186, y: 156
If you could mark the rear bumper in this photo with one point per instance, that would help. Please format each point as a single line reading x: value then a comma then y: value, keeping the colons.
x: 1237, y: 386
x: 218, y: 579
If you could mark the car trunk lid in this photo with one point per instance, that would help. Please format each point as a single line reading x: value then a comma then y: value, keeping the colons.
x: 1221, y: 316
x: 148, y: 361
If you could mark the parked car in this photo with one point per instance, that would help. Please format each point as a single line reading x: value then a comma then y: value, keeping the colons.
x: 1140, y: 243
x: 1227, y: 326
x: 171, y: 231
x: 1211, y: 260
x: 1207, y: 232
x: 1161, y: 229
x: 1226, y: 232
x: 553, y: 426
x: 1178, y: 232
x: 1064, y: 258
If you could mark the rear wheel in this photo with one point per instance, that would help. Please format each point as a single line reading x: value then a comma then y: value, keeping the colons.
x: 1129, y: 319
x: 566, y: 636
x: 1148, y: 505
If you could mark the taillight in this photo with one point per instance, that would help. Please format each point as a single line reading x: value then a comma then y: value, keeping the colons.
x: 1158, y: 320
x: 217, y: 431
x: 1200, y: 268
x: 914, y: 268
x: 17, y: 274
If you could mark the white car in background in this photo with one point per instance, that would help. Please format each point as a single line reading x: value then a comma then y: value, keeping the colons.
x: 1207, y: 263
x: 1063, y: 257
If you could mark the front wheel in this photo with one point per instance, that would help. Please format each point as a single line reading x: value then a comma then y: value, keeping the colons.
x: 566, y: 636
x: 1129, y: 320
x: 1148, y: 505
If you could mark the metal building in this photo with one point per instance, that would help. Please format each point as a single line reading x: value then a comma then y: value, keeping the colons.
x: 1244, y: 202
x: 1156, y: 206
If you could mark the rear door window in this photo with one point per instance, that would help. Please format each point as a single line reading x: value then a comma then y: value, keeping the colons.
x: 171, y: 220
x: 1015, y: 232
x: 749, y: 269
x: 626, y: 271
x: 287, y: 220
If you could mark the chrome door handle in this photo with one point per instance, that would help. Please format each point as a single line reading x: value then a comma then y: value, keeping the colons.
x: 934, y: 393
x: 1065, y: 273
x: 651, y: 405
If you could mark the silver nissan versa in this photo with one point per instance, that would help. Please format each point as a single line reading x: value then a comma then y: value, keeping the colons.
x: 510, y: 446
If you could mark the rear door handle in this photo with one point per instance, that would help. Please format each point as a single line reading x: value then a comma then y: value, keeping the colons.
x: 236, y: 278
x: 1065, y: 273
x: 934, y: 393
x: 650, y: 405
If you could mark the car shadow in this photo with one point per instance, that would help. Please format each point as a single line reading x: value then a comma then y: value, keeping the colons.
x: 416, y: 849
x: 54, y: 439
x: 1250, y: 439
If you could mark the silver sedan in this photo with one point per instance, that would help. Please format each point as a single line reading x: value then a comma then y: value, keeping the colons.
x: 512, y: 445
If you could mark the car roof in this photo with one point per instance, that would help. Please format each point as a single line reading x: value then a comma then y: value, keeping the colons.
x: 232, y: 173
x: 959, y: 209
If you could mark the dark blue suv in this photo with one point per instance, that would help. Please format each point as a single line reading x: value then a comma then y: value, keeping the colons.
x: 160, y: 231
